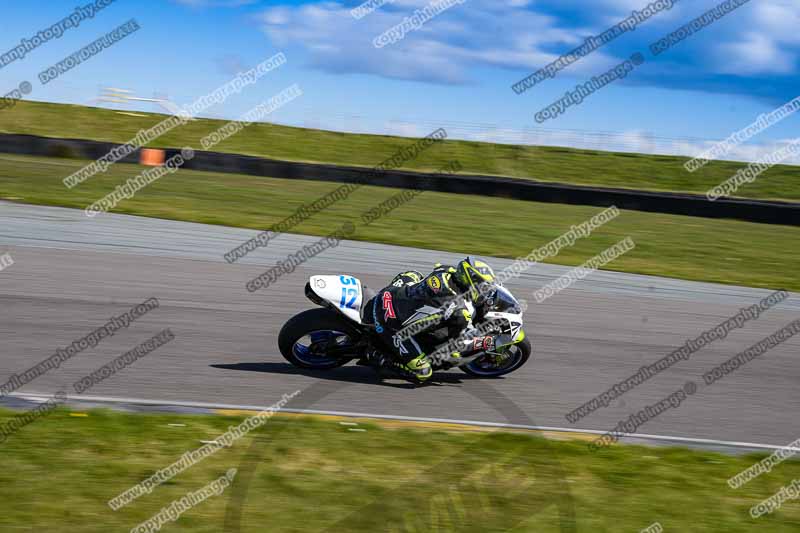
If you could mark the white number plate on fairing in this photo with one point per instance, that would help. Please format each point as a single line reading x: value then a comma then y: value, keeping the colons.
x: 343, y: 291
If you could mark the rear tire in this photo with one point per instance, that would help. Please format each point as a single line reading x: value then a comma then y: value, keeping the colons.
x: 524, y: 347
x: 304, y: 324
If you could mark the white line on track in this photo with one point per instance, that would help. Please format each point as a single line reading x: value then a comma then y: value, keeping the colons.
x: 33, y: 396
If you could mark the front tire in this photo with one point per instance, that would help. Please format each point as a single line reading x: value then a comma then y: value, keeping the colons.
x: 321, y: 326
x: 481, y: 368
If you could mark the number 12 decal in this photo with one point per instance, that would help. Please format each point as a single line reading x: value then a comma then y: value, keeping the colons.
x: 348, y: 292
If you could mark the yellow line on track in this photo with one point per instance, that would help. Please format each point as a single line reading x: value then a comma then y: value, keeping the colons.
x: 421, y: 424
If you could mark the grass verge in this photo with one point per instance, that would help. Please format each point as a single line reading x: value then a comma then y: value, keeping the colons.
x: 723, y: 251
x: 309, y: 474
x: 553, y: 164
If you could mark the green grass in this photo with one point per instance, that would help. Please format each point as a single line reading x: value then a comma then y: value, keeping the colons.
x: 566, y: 165
x: 304, y: 474
x: 724, y: 251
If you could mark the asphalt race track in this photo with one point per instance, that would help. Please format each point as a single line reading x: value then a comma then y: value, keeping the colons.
x: 72, y: 273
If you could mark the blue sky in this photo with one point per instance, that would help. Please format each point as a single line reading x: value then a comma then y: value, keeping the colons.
x: 455, y: 71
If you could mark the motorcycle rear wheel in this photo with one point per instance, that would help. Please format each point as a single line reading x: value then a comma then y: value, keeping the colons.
x: 303, y: 339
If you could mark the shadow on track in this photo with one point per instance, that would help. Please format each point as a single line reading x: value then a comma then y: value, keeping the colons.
x: 346, y: 374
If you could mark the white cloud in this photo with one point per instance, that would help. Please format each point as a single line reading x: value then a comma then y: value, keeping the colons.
x: 756, y: 53
x: 634, y: 141
x: 780, y: 19
x: 767, y: 43
x: 215, y: 3
x: 478, y: 33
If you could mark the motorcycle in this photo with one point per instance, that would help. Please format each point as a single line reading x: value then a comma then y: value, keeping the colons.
x: 336, y: 333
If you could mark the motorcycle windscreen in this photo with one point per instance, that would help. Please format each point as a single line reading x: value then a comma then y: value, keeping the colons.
x: 502, y: 300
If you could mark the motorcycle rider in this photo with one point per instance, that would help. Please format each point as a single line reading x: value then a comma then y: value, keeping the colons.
x: 415, y: 314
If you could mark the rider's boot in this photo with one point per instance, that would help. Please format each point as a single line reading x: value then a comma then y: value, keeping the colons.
x: 417, y: 370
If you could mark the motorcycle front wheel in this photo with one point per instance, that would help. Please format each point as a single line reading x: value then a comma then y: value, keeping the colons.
x: 492, y: 366
x: 317, y: 339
